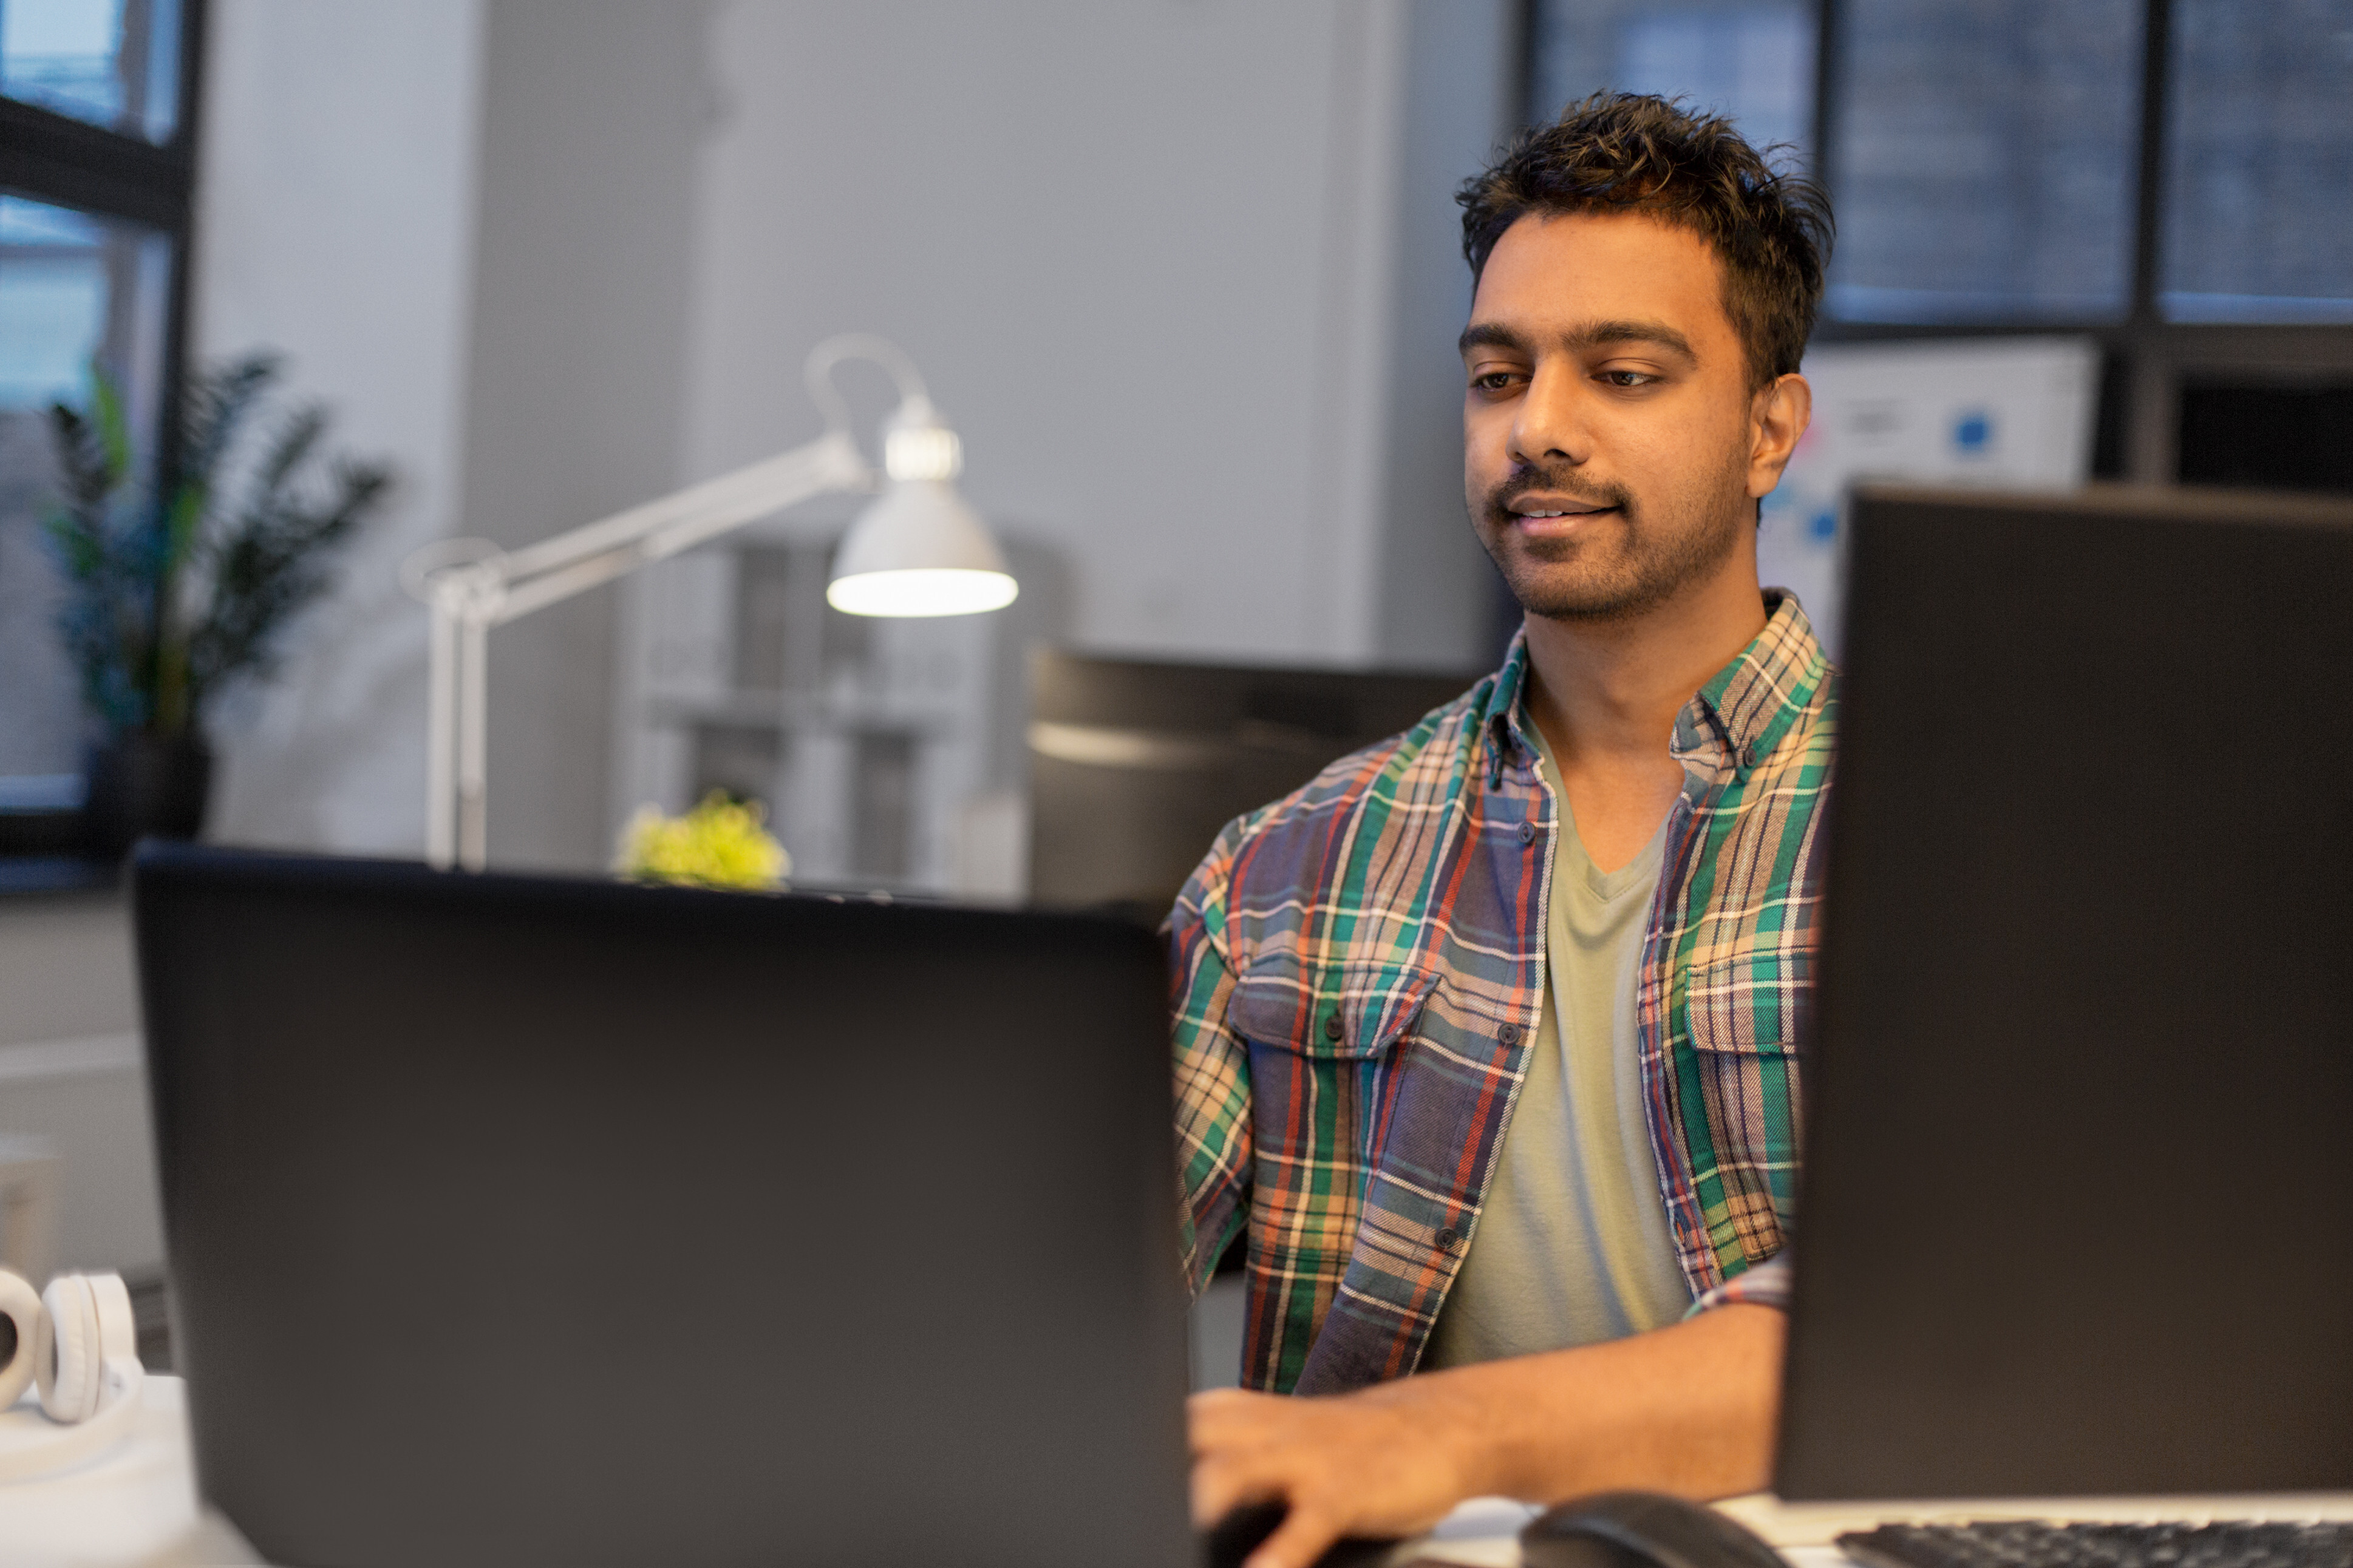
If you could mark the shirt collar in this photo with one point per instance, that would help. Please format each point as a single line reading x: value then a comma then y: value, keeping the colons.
x: 1731, y: 724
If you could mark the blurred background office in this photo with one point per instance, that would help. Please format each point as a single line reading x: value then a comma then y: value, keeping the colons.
x: 1185, y: 275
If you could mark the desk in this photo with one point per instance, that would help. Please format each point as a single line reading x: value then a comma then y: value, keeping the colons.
x: 136, y: 1508
x: 134, y: 1505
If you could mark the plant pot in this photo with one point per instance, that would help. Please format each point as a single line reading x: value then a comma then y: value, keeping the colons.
x: 143, y: 784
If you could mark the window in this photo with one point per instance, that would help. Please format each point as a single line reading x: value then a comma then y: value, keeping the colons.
x: 2259, y: 162
x: 1983, y: 160
x: 74, y: 289
x: 1752, y: 61
x: 2167, y: 178
x: 111, y: 63
x: 96, y: 179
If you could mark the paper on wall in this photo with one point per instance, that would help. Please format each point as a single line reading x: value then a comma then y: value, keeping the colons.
x: 2009, y: 413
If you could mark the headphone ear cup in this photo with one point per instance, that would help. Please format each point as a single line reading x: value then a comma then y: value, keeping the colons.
x: 118, y: 1327
x: 20, y: 1332
x: 66, y: 1359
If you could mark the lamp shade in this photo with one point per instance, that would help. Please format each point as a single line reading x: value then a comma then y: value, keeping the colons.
x: 919, y: 550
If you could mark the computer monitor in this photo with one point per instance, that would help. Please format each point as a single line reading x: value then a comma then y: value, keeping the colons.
x: 2073, y: 1218
x: 1135, y: 764
x: 519, y: 1221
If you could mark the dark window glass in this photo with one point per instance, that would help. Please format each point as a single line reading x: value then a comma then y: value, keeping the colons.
x: 74, y: 291
x: 1984, y: 159
x: 2259, y: 166
x: 113, y: 63
x: 1751, y: 60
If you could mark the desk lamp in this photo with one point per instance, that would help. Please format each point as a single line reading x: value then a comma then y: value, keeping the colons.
x: 917, y: 549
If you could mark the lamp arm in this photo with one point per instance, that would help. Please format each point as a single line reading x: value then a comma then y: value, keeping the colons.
x: 817, y: 374
x: 540, y: 574
x: 472, y: 586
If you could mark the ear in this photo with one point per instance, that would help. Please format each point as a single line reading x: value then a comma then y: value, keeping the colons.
x: 1778, y: 417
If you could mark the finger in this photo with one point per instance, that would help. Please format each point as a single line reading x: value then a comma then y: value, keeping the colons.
x: 1221, y: 1483
x: 1302, y: 1537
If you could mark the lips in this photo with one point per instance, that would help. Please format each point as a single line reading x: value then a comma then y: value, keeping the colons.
x: 1535, y: 504
x: 1556, y: 518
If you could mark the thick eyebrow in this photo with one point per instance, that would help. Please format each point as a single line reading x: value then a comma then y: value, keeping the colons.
x: 1490, y: 336
x: 1587, y: 336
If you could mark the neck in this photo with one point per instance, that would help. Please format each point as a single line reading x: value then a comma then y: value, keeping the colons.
x: 1606, y: 693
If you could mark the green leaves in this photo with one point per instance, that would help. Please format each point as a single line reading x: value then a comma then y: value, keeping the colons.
x: 173, y: 597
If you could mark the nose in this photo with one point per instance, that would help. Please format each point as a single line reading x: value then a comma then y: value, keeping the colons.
x: 1549, y: 425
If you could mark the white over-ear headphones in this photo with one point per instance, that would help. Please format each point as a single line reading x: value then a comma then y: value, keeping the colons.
x: 80, y: 1342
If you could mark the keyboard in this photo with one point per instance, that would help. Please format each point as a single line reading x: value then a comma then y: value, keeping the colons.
x: 2036, y: 1544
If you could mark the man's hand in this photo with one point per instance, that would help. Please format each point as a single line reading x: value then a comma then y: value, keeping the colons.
x: 1687, y: 1410
x: 1390, y: 1460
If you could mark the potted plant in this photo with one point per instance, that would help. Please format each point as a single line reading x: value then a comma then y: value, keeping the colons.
x: 173, y: 594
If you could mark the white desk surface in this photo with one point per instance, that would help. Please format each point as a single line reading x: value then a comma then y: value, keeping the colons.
x: 135, y: 1507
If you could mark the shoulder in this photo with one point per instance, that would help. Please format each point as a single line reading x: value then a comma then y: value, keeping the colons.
x: 1296, y: 848
x: 1813, y: 729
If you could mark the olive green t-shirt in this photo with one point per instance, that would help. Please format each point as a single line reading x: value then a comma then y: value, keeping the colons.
x: 1572, y: 1245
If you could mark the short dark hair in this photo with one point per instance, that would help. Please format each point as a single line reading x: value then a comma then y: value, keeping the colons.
x: 1633, y: 152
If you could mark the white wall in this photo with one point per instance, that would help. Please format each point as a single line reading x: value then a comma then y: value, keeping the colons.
x: 70, y: 1073
x: 593, y: 115
x: 335, y: 207
x: 1181, y: 270
x: 1440, y: 602
x: 1143, y: 252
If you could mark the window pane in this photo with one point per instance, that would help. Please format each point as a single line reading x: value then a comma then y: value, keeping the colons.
x: 114, y: 63
x: 1984, y: 159
x: 2259, y: 162
x: 1752, y: 61
x: 73, y: 288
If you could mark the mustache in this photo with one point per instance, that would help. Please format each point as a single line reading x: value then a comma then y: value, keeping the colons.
x: 1530, y: 477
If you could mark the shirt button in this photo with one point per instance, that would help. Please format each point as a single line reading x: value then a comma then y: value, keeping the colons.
x: 1446, y: 1239
x: 1748, y: 756
x: 1510, y: 1034
x: 1331, y: 1027
x: 1527, y: 832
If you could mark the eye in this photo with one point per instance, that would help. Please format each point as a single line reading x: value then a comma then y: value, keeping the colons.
x: 1492, y: 381
x: 1626, y: 378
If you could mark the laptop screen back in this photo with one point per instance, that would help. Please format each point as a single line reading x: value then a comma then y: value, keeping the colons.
x: 517, y: 1221
x: 2075, y: 1217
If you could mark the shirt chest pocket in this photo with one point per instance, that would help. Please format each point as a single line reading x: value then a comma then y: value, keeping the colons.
x: 1353, y: 1009
x: 1749, y: 1016
x: 1755, y: 1003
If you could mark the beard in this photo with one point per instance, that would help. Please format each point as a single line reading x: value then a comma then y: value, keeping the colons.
x: 1649, y: 557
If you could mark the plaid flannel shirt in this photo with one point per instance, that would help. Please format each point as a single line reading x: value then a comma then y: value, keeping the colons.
x: 1358, y: 973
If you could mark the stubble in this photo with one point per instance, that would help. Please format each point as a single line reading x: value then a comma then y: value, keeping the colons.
x: 1650, y: 556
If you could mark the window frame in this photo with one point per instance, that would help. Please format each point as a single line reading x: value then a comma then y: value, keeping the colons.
x: 57, y: 159
x: 48, y: 157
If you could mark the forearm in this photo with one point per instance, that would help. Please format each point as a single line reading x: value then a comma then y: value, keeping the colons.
x: 1687, y: 1410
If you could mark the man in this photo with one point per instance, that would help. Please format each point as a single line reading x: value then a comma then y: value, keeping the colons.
x: 1482, y: 1038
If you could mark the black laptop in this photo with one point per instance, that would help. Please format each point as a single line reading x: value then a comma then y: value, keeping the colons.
x: 526, y: 1221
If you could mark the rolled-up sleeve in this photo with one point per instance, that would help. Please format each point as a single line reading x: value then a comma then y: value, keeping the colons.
x: 1766, y: 1285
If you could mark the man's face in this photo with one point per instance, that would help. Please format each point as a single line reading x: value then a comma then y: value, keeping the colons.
x: 1607, y: 427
